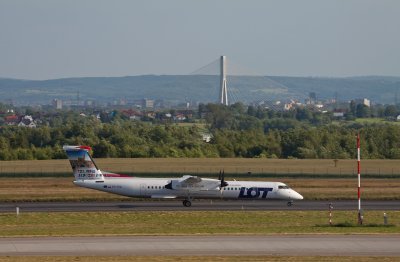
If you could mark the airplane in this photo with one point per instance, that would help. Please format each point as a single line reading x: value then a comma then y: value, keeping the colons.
x: 187, y: 187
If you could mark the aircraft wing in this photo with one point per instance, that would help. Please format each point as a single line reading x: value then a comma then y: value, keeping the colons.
x: 190, y: 180
x: 193, y: 183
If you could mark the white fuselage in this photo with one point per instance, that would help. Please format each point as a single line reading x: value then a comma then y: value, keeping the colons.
x: 155, y: 188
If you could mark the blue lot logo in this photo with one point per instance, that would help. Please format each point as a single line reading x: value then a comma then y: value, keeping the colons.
x: 254, y: 192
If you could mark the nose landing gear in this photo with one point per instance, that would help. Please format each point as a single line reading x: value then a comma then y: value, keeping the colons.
x: 290, y: 203
x: 187, y: 203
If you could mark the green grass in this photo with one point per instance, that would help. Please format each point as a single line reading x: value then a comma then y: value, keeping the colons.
x: 191, y: 222
x: 375, y: 120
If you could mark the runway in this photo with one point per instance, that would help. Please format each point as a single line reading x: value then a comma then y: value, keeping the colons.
x: 202, y: 205
x: 294, y: 245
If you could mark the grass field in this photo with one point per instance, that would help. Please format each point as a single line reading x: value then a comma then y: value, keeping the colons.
x: 375, y: 120
x: 193, y: 222
x: 238, y: 166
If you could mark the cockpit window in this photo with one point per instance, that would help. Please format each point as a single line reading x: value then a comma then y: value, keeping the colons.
x: 283, y: 187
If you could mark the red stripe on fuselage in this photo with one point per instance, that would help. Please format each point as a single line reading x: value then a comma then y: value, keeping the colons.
x: 116, y: 175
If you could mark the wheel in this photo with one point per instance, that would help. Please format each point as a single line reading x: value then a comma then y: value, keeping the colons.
x: 187, y: 203
x: 289, y: 204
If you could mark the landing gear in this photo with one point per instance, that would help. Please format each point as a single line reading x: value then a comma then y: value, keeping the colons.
x: 187, y: 203
x: 290, y: 203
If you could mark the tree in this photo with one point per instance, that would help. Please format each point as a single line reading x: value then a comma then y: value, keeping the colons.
x: 363, y: 111
x: 104, y: 149
x: 353, y: 107
x: 251, y: 111
x: 391, y: 110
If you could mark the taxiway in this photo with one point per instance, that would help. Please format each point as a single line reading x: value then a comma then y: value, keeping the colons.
x: 201, y: 205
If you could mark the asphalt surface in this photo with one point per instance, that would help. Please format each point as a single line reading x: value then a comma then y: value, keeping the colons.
x: 203, y: 205
x: 295, y: 245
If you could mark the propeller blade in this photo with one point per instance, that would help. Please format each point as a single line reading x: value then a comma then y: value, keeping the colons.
x: 223, y: 183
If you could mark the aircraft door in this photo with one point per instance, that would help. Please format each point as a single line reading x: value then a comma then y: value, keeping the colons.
x: 143, y: 189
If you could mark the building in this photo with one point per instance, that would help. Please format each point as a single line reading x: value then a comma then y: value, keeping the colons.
x: 148, y: 103
x: 27, y: 121
x: 132, y: 114
x: 338, y: 113
x: 363, y: 101
x: 57, y: 104
x: 11, y: 120
x: 207, y: 137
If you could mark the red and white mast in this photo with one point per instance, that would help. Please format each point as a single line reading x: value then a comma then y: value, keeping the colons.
x: 360, y: 218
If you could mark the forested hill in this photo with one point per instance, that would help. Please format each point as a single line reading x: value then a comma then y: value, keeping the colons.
x: 202, y: 88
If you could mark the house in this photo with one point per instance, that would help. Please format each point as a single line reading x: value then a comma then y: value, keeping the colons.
x: 206, y: 137
x: 179, y: 117
x: 339, y: 113
x: 151, y: 114
x: 11, y: 120
x: 132, y: 114
x: 27, y: 121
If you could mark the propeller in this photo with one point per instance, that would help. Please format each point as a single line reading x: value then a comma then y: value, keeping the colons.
x: 221, y: 177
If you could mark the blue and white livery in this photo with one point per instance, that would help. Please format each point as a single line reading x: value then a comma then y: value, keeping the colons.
x: 88, y: 175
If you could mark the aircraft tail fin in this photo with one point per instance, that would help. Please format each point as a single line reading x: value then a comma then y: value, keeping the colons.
x: 82, y: 163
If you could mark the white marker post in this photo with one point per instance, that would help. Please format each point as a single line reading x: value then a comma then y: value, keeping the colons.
x: 360, y: 217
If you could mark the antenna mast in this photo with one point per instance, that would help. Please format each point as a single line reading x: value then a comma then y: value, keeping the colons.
x: 360, y: 216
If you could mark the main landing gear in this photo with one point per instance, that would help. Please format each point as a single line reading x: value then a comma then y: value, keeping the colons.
x: 187, y: 203
x: 290, y: 203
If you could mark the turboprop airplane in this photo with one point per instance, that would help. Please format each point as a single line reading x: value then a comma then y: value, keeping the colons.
x: 88, y: 175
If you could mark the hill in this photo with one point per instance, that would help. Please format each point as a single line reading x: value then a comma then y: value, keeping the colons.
x: 203, y: 88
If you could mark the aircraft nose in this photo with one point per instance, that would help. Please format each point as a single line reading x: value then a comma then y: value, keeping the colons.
x: 295, y: 196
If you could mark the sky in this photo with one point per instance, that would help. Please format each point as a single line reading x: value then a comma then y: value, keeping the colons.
x: 47, y: 39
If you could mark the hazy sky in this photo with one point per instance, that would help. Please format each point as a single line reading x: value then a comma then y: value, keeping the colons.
x: 46, y: 39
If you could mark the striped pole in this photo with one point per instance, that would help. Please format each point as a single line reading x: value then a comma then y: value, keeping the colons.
x: 360, y: 218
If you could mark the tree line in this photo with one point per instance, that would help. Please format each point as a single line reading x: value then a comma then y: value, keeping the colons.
x: 236, y: 131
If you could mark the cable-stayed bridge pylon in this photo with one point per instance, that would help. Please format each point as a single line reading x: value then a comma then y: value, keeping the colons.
x: 231, y: 73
